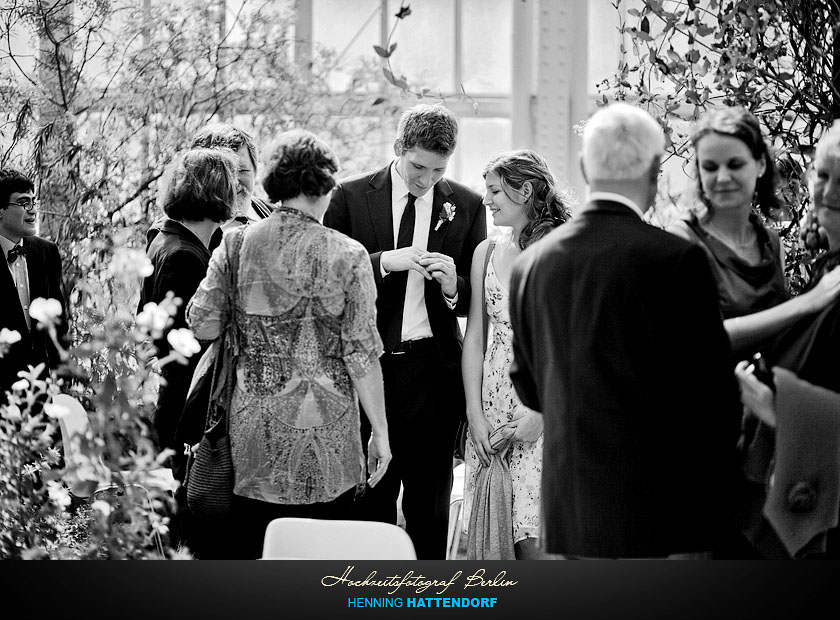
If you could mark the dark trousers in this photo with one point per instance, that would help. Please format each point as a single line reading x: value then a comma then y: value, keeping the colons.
x: 422, y: 438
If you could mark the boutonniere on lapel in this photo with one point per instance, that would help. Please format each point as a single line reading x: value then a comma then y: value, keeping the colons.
x: 447, y: 214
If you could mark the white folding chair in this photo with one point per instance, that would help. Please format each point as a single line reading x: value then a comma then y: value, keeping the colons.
x: 74, y: 424
x: 456, y: 511
x: 453, y: 540
x: 322, y: 539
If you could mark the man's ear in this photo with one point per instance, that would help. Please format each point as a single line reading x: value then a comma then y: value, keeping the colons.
x: 582, y: 168
x: 653, y: 173
x: 398, y: 150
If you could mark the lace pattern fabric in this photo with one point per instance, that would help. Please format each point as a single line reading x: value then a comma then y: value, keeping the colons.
x: 308, y: 326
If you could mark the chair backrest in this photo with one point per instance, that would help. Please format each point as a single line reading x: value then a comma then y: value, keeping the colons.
x: 74, y: 425
x: 321, y: 539
x: 453, y: 539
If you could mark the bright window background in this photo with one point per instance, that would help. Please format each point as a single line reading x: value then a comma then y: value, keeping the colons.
x: 425, y: 40
x: 486, y: 46
x: 350, y: 30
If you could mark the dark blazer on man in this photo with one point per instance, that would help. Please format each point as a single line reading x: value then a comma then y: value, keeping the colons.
x: 618, y: 341
x: 424, y: 393
x: 361, y: 209
x: 43, y: 263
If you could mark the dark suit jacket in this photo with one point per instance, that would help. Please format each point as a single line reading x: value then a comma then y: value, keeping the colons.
x: 44, y: 265
x: 618, y: 341
x: 361, y: 209
x: 180, y: 260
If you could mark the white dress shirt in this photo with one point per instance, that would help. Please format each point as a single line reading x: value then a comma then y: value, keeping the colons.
x: 415, y: 317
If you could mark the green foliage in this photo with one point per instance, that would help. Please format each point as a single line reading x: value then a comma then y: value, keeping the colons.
x: 113, y: 377
x: 111, y: 94
x: 103, y: 109
x: 774, y: 57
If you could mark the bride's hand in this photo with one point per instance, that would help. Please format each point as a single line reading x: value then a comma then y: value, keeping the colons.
x: 480, y: 430
x: 528, y: 425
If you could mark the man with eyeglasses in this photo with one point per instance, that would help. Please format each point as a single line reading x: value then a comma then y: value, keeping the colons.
x: 32, y: 269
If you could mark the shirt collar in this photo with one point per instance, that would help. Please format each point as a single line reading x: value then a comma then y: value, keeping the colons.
x: 7, y: 244
x: 399, y: 189
x: 619, y: 198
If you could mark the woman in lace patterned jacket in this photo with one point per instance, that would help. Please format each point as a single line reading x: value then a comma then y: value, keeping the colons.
x: 309, y: 352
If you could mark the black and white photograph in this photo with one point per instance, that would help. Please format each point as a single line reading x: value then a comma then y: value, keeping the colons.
x: 421, y: 291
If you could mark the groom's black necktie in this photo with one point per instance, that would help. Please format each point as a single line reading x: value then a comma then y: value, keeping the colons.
x: 406, y: 233
x: 405, y: 236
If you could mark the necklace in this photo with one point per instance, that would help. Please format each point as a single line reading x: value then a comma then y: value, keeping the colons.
x: 716, y: 232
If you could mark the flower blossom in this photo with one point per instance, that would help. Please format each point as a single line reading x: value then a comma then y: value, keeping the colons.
x: 56, y: 411
x: 59, y: 494
x: 182, y: 341
x: 130, y: 264
x: 9, y: 336
x: 101, y: 506
x: 46, y: 311
x: 153, y: 318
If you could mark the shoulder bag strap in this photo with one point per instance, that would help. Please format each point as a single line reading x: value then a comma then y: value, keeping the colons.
x: 485, y: 318
x: 224, y: 379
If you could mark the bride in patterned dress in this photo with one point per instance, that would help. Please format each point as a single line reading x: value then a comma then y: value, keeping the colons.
x: 522, y: 196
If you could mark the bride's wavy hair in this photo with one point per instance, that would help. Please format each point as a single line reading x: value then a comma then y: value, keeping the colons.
x: 545, y: 208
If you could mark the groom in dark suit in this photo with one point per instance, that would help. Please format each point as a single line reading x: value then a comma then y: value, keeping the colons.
x: 420, y: 230
x: 618, y: 341
x: 31, y: 269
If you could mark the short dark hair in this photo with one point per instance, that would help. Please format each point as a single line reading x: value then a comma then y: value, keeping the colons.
x: 224, y: 135
x: 11, y: 181
x: 431, y: 127
x: 299, y: 163
x: 201, y: 185
x: 738, y: 122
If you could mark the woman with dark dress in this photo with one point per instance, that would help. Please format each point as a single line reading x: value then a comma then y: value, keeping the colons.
x: 736, y: 182
x: 199, y: 194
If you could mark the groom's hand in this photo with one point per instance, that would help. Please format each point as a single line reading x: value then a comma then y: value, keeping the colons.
x: 403, y: 259
x: 443, y: 269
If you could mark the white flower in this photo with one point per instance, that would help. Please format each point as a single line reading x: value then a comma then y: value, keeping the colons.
x: 55, y: 411
x: 183, y: 342
x: 129, y: 264
x: 447, y: 214
x: 101, y: 506
x: 45, y: 311
x: 20, y: 385
x: 153, y: 318
x: 59, y: 494
x: 9, y: 336
x: 12, y: 413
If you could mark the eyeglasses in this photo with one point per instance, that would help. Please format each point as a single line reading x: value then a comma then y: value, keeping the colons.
x: 28, y: 204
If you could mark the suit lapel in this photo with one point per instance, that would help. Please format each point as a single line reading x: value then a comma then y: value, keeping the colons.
x: 35, y: 266
x: 379, y: 208
x: 442, y: 193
